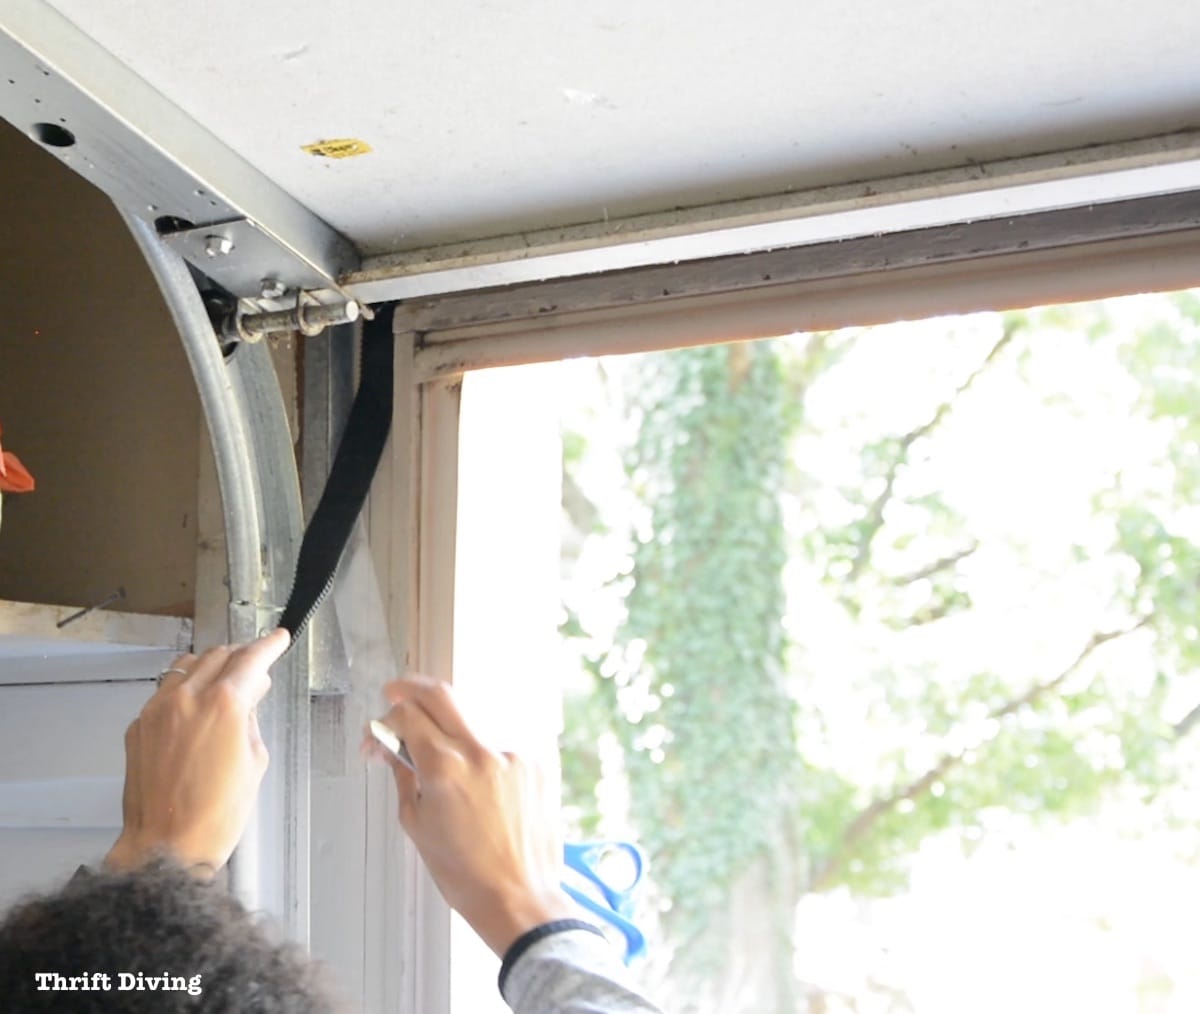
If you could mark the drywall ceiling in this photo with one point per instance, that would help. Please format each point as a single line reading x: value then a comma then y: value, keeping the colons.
x: 487, y: 117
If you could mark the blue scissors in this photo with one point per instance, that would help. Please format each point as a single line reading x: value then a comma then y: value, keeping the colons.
x: 586, y: 859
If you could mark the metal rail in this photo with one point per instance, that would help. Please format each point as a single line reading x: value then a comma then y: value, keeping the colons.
x: 260, y: 498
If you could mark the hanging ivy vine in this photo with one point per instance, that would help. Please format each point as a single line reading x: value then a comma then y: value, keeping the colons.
x: 708, y: 723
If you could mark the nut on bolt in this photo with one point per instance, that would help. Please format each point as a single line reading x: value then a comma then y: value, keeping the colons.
x: 217, y: 246
x: 309, y: 320
x: 271, y: 288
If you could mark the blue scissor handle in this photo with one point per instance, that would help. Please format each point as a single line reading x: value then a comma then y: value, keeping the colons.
x: 585, y: 859
x: 635, y: 940
x: 582, y: 857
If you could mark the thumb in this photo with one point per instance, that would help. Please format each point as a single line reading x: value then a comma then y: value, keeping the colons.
x: 246, y: 669
x: 270, y: 647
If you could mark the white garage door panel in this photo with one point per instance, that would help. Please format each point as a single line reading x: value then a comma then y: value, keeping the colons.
x: 67, y: 731
x: 62, y: 763
x: 98, y: 666
x: 75, y: 803
x: 38, y: 859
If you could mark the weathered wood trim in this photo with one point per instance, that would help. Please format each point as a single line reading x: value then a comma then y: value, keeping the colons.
x: 1145, y: 264
x: 1070, y: 227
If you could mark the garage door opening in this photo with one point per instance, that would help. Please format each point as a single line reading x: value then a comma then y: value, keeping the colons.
x: 880, y: 642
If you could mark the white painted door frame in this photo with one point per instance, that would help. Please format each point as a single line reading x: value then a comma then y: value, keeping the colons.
x: 411, y: 522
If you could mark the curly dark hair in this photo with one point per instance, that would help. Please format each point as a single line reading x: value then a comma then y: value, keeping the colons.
x: 203, y: 950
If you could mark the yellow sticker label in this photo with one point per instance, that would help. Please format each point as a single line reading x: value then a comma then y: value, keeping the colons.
x: 338, y: 147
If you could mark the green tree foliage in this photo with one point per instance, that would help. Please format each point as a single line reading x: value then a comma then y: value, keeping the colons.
x: 734, y: 756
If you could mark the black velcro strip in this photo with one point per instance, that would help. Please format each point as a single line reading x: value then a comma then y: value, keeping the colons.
x: 350, y: 477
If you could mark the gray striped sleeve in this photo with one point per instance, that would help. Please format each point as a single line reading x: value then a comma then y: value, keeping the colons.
x: 574, y: 972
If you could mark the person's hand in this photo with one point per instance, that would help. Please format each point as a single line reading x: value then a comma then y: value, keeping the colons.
x: 194, y: 758
x: 479, y: 818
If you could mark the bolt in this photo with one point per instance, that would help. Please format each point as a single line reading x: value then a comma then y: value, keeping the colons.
x: 272, y: 288
x: 217, y: 246
x: 308, y: 320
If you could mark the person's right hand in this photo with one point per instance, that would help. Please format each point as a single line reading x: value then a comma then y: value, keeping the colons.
x: 479, y: 818
x: 194, y: 758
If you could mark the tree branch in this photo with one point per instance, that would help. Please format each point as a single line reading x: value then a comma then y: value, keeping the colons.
x: 874, y: 515
x: 865, y: 821
x: 930, y: 614
x: 936, y: 567
x: 1187, y: 723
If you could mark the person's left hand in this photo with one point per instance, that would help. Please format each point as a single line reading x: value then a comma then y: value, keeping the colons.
x: 483, y: 821
x: 194, y: 758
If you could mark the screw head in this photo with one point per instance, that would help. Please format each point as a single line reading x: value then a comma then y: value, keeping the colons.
x: 217, y: 246
x: 272, y: 288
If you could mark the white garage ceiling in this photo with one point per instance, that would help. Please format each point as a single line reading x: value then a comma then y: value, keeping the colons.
x: 489, y: 117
